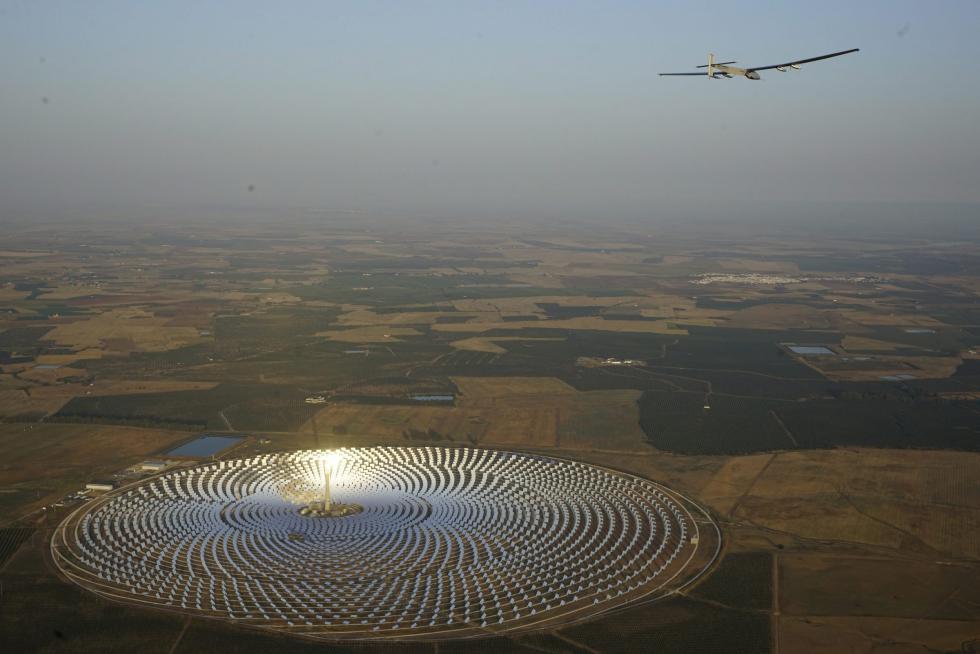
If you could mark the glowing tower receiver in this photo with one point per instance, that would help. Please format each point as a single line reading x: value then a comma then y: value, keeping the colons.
x: 325, y: 507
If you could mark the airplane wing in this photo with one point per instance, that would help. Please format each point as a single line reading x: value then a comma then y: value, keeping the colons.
x: 672, y: 74
x: 804, y: 61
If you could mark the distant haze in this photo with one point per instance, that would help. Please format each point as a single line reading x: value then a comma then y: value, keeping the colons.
x: 487, y: 109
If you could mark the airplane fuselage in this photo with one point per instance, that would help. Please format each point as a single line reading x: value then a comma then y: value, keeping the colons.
x: 733, y: 71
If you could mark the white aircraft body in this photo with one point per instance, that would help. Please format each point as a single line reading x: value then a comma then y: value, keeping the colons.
x: 723, y: 69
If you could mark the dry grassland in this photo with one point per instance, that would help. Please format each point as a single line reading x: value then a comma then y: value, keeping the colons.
x: 379, y: 334
x: 48, y: 399
x: 732, y: 480
x: 873, y: 635
x: 818, y: 517
x: 25, y: 254
x: 932, y: 497
x: 566, y: 260
x: 367, y: 318
x: 586, y: 323
x: 50, y: 376
x: 780, y: 316
x: 627, y: 248
x: 391, y: 423
x: 477, y: 344
x: 146, y: 331
x: 927, y: 367
x: 654, y: 305
x: 602, y: 420
x: 104, y: 299
x: 688, y: 474
x: 920, y: 367
x: 529, y: 305
x: 538, y: 278
x: 28, y: 266
x: 490, y: 345
x: 64, y: 359
x: 920, y: 501
x: 800, y: 316
x: 758, y: 266
x: 368, y: 249
x: 833, y: 510
x: 854, y: 343
x: 278, y: 298
x: 45, y: 461
x: 15, y: 402
x: 134, y: 387
x: 516, y: 411
x: 967, y: 395
x: 453, y: 424
x: 810, y: 585
x: 682, y: 316
x: 10, y: 294
x: 873, y: 318
x: 68, y: 292
x: 33, y: 451
x: 8, y: 381
x: 474, y: 390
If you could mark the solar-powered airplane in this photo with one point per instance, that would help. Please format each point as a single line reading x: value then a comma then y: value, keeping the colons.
x: 722, y: 69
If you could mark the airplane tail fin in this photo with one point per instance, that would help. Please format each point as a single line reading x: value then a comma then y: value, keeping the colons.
x: 711, y: 65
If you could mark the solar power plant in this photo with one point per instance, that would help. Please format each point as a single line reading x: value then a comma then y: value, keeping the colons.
x: 431, y: 542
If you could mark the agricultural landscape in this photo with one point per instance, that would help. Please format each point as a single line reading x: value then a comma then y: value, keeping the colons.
x: 820, y: 398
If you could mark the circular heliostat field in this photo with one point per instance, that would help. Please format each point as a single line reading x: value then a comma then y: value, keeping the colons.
x: 420, y: 542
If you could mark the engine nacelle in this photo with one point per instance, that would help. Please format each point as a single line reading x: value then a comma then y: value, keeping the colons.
x: 751, y: 74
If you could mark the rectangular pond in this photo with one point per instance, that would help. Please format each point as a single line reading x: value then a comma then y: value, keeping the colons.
x: 205, y: 446
x: 434, y: 397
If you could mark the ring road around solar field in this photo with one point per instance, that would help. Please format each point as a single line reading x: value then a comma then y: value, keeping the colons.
x: 389, y: 542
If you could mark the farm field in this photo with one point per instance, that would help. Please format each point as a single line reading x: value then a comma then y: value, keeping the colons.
x: 842, y: 473
x: 44, y: 461
x: 878, y: 588
x: 923, y: 501
x: 534, y: 412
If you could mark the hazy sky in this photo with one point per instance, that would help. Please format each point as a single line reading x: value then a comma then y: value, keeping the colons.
x: 484, y: 107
